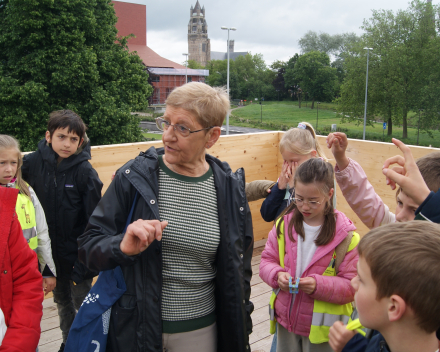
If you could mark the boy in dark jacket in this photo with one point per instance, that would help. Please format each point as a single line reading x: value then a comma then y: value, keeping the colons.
x: 69, y: 189
x: 397, y: 286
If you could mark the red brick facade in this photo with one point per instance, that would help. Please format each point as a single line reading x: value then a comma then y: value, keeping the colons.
x: 132, y: 18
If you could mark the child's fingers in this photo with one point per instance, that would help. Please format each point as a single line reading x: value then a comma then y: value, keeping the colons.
x: 396, y: 159
x: 393, y: 177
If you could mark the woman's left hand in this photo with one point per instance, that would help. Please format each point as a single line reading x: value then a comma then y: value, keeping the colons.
x: 307, y: 285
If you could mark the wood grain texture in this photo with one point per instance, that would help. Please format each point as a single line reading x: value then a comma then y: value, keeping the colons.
x: 259, y: 155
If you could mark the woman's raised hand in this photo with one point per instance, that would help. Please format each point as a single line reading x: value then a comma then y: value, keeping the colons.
x: 140, y: 234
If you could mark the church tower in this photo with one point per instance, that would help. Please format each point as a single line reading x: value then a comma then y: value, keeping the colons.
x: 199, y: 47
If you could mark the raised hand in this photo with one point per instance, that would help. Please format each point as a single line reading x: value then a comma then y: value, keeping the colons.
x: 338, y: 143
x: 407, y: 175
x: 140, y: 234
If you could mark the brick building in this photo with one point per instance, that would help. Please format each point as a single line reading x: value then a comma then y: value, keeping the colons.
x: 164, y: 74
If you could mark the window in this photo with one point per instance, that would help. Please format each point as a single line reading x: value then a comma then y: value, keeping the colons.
x: 203, y: 47
x: 189, y: 79
x: 194, y: 20
x: 167, y: 92
x: 155, y: 78
x: 194, y: 28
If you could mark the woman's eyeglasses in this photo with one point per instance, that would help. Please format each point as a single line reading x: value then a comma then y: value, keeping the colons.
x: 163, y: 125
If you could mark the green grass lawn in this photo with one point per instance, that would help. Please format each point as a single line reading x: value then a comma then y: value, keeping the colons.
x: 152, y: 136
x: 286, y: 114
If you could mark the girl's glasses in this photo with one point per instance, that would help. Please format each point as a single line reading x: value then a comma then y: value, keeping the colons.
x: 300, y: 202
x: 163, y: 125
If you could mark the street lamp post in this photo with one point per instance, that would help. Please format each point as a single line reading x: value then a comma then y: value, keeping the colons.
x: 186, y: 67
x: 317, y: 110
x: 227, y: 79
x: 366, y: 91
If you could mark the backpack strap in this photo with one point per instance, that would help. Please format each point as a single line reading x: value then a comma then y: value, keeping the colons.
x: 348, y: 243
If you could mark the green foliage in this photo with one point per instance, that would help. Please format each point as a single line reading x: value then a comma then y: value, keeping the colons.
x: 315, y: 76
x: 249, y: 77
x: 404, y: 69
x: 195, y: 65
x: 63, y: 55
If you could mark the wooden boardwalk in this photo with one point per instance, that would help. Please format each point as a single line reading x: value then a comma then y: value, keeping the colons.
x: 260, y: 339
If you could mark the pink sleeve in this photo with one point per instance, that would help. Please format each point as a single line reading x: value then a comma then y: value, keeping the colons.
x: 270, y: 260
x: 360, y: 195
x: 337, y: 289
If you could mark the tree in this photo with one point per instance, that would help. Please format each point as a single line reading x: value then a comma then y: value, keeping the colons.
x: 195, y: 65
x: 316, y: 76
x: 403, y: 70
x: 64, y: 54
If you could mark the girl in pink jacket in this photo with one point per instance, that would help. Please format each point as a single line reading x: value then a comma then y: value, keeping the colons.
x: 313, y: 231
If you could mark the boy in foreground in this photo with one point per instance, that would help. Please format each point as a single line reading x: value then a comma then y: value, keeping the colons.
x: 397, y: 286
x: 69, y: 189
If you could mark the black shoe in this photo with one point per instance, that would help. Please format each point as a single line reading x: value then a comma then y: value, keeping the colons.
x: 62, y: 347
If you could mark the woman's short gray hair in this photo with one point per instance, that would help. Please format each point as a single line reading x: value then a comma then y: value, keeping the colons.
x: 209, y: 105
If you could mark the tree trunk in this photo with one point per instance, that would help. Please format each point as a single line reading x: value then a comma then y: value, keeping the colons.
x: 313, y: 104
x: 405, y: 123
x: 390, y: 126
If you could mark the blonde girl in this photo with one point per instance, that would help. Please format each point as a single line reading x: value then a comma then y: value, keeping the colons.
x: 28, y: 208
x: 296, y: 146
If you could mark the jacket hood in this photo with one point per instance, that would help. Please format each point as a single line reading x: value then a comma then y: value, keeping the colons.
x: 82, y: 154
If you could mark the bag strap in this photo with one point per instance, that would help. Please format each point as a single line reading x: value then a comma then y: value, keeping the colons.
x: 341, y: 249
x: 130, y: 215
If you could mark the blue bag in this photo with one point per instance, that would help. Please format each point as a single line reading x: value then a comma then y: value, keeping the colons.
x: 89, y: 330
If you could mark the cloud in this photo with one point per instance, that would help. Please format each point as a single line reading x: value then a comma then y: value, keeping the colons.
x: 270, y: 28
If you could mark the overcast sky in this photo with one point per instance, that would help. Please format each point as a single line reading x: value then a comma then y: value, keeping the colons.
x: 271, y: 28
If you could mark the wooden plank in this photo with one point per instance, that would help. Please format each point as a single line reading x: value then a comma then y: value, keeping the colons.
x: 256, y: 259
x: 263, y: 345
x: 256, y: 280
x: 261, y: 300
x: 260, y: 331
x: 49, y: 323
x: 52, y: 346
x: 50, y: 336
x: 260, y: 289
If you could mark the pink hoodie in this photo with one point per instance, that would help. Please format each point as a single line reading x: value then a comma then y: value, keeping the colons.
x: 360, y: 195
x: 333, y: 289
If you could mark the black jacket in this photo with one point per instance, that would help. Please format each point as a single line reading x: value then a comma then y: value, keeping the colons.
x: 68, y: 192
x: 136, y: 322
x: 377, y: 344
x: 274, y: 204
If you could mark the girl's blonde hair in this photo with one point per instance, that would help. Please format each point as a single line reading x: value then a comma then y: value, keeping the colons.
x: 301, y: 140
x: 8, y: 142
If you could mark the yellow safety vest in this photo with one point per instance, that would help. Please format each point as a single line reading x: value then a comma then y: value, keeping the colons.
x: 324, y: 313
x: 26, y: 216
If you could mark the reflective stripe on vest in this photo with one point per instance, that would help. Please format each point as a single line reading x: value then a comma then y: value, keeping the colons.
x: 26, y: 216
x: 325, y: 313
x: 273, y: 321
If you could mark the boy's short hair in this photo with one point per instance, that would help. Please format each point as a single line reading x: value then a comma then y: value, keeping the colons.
x: 429, y: 166
x: 66, y: 118
x: 404, y: 260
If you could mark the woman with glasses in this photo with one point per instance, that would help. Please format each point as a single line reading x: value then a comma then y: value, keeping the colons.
x: 186, y: 255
